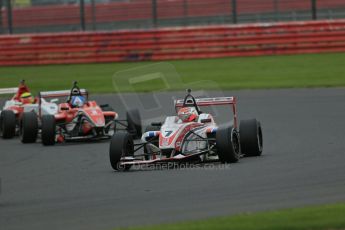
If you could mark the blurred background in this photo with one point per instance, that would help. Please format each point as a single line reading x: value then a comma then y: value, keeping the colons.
x: 37, y: 16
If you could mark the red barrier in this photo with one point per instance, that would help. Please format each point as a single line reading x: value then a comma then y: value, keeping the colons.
x: 174, y: 43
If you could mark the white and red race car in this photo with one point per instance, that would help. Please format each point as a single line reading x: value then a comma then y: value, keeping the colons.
x: 19, y: 114
x: 199, y: 140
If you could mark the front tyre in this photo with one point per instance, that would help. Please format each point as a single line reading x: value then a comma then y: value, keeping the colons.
x: 28, y: 128
x: 228, y: 145
x: 7, y: 124
x: 121, y: 145
x: 251, y: 137
x: 48, y: 130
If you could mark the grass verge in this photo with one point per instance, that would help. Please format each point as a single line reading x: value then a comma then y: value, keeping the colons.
x: 325, y: 217
x: 295, y: 71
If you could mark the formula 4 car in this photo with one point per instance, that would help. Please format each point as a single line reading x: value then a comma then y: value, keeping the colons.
x: 190, y: 136
x: 80, y: 119
x: 19, y: 114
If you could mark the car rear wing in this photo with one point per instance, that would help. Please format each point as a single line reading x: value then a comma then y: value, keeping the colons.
x: 8, y: 90
x: 60, y: 93
x: 210, y: 102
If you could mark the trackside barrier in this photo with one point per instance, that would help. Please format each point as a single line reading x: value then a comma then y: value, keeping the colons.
x: 174, y: 43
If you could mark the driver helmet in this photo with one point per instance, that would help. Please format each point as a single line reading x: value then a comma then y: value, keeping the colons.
x: 77, y: 101
x: 75, y: 91
x: 188, y: 114
x: 27, y: 98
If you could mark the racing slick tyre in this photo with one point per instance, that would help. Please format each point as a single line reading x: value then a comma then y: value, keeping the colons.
x: 121, y: 145
x: 228, y: 145
x: 251, y: 137
x: 134, y: 123
x: 7, y: 124
x: 28, y: 128
x: 48, y: 130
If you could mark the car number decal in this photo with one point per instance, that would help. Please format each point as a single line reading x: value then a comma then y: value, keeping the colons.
x: 168, y: 133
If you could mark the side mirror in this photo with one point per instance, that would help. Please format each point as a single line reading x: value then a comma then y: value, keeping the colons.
x: 206, y: 120
x: 54, y: 100
x: 156, y: 124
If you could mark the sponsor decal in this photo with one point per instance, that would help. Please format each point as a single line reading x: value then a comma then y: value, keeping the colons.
x: 165, y: 142
x: 100, y: 121
x: 94, y: 112
x: 184, y: 133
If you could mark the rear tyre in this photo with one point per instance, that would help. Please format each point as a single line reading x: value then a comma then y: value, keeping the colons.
x: 228, y: 145
x: 251, y: 137
x: 121, y: 145
x: 28, y: 128
x: 134, y: 123
x: 7, y: 124
x: 48, y: 130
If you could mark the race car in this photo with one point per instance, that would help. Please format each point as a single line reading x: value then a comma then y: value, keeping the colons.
x: 191, y: 135
x: 79, y: 118
x: 19, y: 114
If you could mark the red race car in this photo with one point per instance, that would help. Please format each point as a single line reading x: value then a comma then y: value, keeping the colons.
x: 80, y: 119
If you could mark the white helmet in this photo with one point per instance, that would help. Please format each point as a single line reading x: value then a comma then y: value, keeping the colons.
x: 188, y: 114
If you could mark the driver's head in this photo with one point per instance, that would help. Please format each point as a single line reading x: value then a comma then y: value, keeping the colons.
x: 27, y: 98
x: 75, y: 91
x: 188, y: 114
x: 77, y: 101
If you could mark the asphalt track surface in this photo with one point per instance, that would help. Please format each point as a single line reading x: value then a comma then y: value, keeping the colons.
x: 72, y: 186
